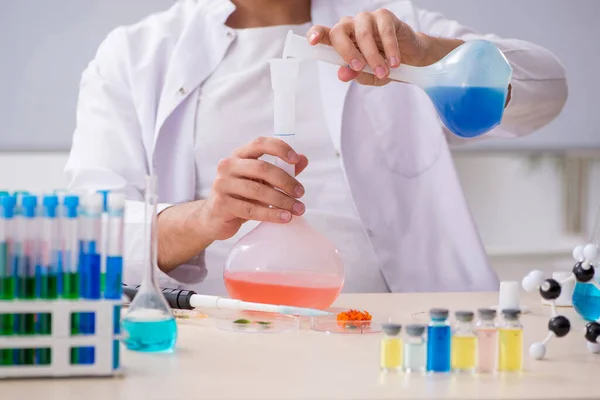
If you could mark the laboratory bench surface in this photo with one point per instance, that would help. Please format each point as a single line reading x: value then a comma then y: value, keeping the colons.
x: 214, y: 364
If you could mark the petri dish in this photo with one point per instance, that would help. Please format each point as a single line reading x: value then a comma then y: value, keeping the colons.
x: 330, y: 324
x: 257, y: 322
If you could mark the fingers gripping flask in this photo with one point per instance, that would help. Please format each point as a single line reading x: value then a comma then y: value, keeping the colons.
x: 286, y: 264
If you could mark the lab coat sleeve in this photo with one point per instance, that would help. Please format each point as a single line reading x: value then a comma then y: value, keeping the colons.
x: 539, y: 84
x: 108, y: 153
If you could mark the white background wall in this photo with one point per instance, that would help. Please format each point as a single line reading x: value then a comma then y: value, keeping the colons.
x: 518, y: 203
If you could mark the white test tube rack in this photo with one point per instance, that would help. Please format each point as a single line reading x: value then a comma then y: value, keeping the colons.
x: 61, y: 341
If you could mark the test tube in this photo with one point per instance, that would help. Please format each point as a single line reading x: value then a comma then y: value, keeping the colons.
x: 90, y: 268
x: 7, y: 278
x: 26, y: 252
x: 47, y: 269
x: 114, y: 262
x: 103, y: 238
x: 70, y: 250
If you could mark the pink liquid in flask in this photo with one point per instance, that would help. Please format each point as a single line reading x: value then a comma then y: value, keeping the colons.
x: 300, y: 289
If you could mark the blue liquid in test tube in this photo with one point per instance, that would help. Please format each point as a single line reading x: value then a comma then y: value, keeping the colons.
x: 90, y: 269
x: 439, y: 338
x: 113, y: 288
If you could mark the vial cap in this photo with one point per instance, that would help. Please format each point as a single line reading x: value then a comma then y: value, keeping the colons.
x: 7, y: 207
x: 464, y: 316
x: 29, y: 206
x: 511, y: 314
x: 415, y: 330
x: 71, y: 203
x: 391, y: 329
x: 438, y: 314
x: 50, y: 203
x: 486, y: 314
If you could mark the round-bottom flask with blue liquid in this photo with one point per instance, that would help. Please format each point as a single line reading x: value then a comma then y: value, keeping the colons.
x: 586, y: 300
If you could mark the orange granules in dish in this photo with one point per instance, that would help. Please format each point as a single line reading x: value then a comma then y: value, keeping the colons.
x: 353, y: 318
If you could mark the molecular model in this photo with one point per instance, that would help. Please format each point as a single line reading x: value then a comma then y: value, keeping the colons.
x: 550, y: 289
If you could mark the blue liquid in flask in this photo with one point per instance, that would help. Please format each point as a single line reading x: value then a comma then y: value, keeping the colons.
x: 150, y: 333
x: 586, y: 301
x: 468, y: 111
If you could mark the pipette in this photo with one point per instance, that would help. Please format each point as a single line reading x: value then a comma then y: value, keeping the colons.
x: 468, y: 87
x: 188, y: 300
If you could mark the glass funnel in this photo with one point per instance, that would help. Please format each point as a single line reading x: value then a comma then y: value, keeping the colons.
x: 468, y: 87
x: 586, y: 296
x: 149, y: 324
x: 285, y: 264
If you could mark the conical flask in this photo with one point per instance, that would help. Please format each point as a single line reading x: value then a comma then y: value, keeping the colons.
x: 149, y: 324
x: 468, y: 87
x: 285, y: 264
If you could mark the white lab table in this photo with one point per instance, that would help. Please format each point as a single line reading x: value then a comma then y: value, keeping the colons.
x: 213, y: 364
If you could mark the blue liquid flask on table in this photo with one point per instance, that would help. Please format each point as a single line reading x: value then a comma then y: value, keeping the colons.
x: 149, y: 325
x: 439, y: 338
x: 586, y: 296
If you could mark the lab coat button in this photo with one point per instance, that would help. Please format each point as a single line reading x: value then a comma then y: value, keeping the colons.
x: 230, y: 34
x: 370, y: 233
x: 182, y: 91
x: 337, y: 154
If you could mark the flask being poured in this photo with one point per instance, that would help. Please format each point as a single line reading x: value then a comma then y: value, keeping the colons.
x: 468, y: 87
x: 289, y: 264
x: 149, y: 324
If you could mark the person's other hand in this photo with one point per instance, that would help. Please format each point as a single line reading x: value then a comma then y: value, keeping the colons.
x: 377, y: 39
x: 245, y: 187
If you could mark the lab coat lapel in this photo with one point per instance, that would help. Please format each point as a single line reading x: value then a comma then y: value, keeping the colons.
x: 200, y: 49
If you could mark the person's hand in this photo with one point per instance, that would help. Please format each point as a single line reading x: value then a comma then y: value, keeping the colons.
x: 381, y: 41
x: 245, y: 187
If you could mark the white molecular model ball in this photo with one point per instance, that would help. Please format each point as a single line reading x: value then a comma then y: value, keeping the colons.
x: 533, y: 280
x: 537, y: 351
x: 578, y: 253
x: 590, y: 252
x: 593, y: 347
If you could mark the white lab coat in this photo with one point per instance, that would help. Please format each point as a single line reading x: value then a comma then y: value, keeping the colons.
x: 137, y: 109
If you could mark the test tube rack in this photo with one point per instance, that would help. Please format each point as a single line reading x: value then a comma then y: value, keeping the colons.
x: 60, y: 341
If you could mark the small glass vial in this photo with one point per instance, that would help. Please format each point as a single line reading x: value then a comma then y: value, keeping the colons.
x: 464, y: 343
x: 487, y: 341
x: 391, y: 348
x: 438, y: 341
x: 415, y: 352
x: 510, y: 356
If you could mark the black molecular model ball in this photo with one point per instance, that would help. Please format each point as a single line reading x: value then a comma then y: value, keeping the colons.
x: 592, y: 331
x: 550, y: 289
x: 583, y: 275
x: 559, y: 325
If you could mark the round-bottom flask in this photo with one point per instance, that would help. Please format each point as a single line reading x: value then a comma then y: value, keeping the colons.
x: 286, y: 264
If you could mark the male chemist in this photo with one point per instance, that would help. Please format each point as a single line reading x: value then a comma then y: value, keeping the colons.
x: 186, y: 93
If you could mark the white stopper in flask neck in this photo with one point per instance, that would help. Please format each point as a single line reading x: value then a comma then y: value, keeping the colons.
x: 284, y: 78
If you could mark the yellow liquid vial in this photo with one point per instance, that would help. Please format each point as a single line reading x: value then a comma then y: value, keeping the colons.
x: 391, y: 354
x: 510, y: 357
x: 464, y: 350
